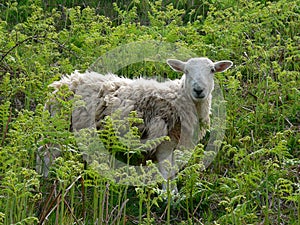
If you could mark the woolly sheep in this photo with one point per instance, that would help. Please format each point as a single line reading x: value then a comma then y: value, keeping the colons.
x: 173, y: 108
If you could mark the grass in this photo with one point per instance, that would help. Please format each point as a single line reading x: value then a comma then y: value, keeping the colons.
x: 254, y: 178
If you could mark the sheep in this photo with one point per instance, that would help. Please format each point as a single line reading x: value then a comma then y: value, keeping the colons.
x: 177, y: 108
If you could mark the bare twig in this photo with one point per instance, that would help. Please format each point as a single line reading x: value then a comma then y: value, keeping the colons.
x: 120, y: 211
x: 252, y: 136
x: 72, y: 184
x: 35, y: 37
x: 16, y: 45
x: 253, y: 95
x: 68, y: 206
x: 50, y: 208
x: 287, y: 120
x: 46, y: 205
x: 250, y: 110
x: 62, y: 46
x: 58, y: 200
x: 57, y: 209
x: 163, y: 214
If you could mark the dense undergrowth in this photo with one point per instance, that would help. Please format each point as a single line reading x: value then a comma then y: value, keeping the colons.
x: 253, y: 180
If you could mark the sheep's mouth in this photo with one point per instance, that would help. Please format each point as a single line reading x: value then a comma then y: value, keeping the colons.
x: 198, y: 96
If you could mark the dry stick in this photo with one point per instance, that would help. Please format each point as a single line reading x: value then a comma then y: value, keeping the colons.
x: 57, y: 209
x: 112, y: 211
x: 252, y: 136
x: 287, y: 120
x: 164, y: 213
x: 68, y: 206
x: 250, y: 110
x: 71, y: 185
x: 253, y: 95
x: 50, y: 209
x: 120, y: 212
x: 6, y: 127
x: 47, y: 205
x: 198, y: 221
x: 198, y: 205
x: 58, y: 200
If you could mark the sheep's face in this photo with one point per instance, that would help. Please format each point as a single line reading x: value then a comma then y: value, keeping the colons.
x: 199, y: 75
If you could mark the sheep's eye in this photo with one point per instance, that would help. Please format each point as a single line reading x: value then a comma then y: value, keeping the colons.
x: 213, y: 70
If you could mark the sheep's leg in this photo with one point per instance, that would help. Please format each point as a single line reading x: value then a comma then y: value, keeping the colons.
x: 45, y: 157
x: 164, y: 152
x: 165, y: 158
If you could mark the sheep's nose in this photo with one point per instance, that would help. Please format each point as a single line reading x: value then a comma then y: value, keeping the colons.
x: 198, y: 90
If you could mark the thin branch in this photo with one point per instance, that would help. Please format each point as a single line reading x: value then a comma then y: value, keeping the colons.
x: 48, y: 204
x: 77, y: 221
x: 16, y: 45
x: 62, y: 46
x: 287, y: 120
x: 35, y: 37
x: 250, y: 110
x: 163, y: 214
x: 58, y: 199
x: 120, y: 211
x: 51, y: 209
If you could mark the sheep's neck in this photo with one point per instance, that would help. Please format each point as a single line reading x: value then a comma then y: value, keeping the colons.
x: 203, y: 110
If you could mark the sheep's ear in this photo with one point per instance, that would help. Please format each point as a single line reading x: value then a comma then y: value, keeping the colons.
x: 223, y: 65
x: 176, y: 65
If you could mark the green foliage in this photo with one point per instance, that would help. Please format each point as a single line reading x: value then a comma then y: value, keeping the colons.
x: 254, y: 178
x: 20, y: 192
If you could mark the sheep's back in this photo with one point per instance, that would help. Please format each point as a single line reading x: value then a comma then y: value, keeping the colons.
x: 134, y: 96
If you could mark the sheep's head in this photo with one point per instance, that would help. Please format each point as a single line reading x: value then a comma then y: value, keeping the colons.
x: 199, y: 72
